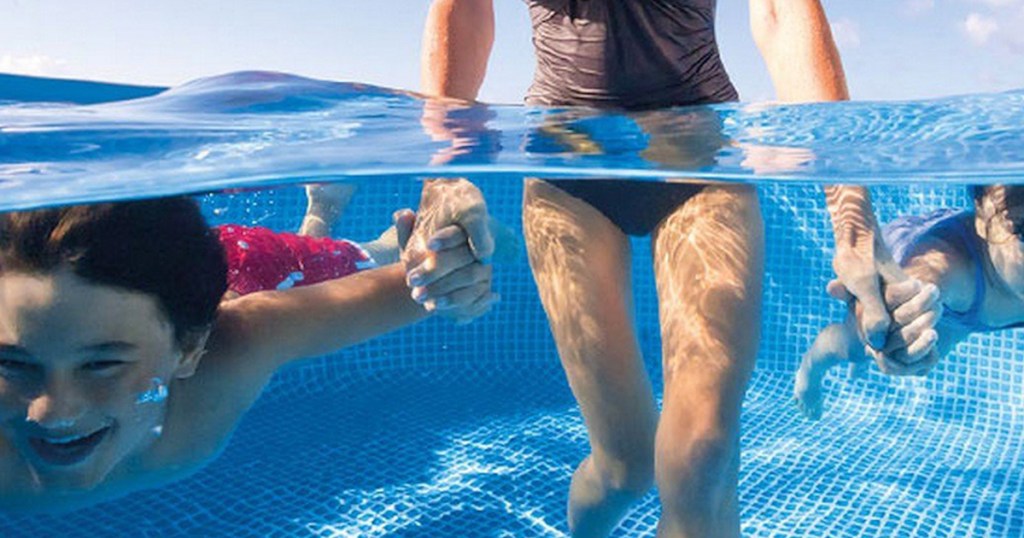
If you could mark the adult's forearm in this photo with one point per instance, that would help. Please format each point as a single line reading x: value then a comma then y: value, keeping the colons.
x: 796, y: 42
x: 797, y: 45
x: 457, y: 42
x: 853, y: 219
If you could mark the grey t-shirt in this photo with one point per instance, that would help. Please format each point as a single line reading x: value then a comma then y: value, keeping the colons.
x: 632, y: 54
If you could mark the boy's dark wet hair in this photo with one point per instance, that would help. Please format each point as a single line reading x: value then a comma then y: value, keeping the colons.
x: 160, y: 247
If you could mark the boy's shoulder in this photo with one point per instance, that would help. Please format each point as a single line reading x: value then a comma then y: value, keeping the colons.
x: 194, y: 432
x: 947, y: 254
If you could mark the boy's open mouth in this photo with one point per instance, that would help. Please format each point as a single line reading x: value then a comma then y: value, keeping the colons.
x: 67, y: 450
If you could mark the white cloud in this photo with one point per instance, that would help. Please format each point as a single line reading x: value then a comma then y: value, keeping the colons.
x: 1015, y: 33
x: 980, y: 28
x: 846, y: 33
x: 34, y: 64
x: 996, y: 23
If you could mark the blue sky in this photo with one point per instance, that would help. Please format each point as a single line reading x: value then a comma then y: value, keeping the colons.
x: 892, y: 49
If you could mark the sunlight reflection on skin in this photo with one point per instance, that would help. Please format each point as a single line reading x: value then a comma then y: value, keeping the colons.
x: 561, y: 250
x: 707, y: 257
x: 447, y: 202
x: 581, y: 264
x: 708, y: 261
x: 709, y: 265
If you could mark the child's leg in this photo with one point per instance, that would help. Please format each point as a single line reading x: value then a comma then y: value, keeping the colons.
x: 836, y: 344
x: 325, y: 204
x: 384, y: 249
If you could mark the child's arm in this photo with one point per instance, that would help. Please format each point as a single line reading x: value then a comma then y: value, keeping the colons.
x: 258, y: 333
x: 280, y: 326
x: 936, y: 261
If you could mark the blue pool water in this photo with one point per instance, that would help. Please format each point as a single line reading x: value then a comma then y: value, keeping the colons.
x: 256, y: 128
x: 447, y: 431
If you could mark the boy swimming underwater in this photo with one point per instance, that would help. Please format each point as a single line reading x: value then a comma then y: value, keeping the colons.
x: 125, y: 363
x: 970, y: 264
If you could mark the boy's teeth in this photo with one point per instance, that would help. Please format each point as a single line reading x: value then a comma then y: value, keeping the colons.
x: 65, y: 440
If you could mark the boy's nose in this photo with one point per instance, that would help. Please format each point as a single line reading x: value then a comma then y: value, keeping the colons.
x: 59, y: 406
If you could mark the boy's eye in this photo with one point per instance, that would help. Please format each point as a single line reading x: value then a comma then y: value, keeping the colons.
x: 15, y: 367
x: 102, y: 366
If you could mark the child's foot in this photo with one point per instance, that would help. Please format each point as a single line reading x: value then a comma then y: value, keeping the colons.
x: 807, y: 390
x: 325, y: 203
x: 384, y: 249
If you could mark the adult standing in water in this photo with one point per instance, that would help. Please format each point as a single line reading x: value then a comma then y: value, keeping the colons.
x: 708, y: 241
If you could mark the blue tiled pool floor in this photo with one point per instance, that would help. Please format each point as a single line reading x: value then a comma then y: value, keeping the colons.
x: 413, y: 454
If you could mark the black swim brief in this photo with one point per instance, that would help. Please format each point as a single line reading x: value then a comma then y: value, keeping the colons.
x: 636, y: 207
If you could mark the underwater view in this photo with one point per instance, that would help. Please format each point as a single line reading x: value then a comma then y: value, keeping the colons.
x: 455, y: 429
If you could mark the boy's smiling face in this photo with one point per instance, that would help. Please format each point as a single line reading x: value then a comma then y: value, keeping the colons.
x: 84, y: 370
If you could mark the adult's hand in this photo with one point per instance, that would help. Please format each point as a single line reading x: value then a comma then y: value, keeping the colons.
x: 447, y: 252
x: 911, y: 344
x: 863, y: 264
x: 863, y: 276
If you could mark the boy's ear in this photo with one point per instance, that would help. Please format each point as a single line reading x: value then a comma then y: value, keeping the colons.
x: 193, y: 347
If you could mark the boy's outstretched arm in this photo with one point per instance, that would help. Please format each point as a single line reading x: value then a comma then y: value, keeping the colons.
x: 256, y: 334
